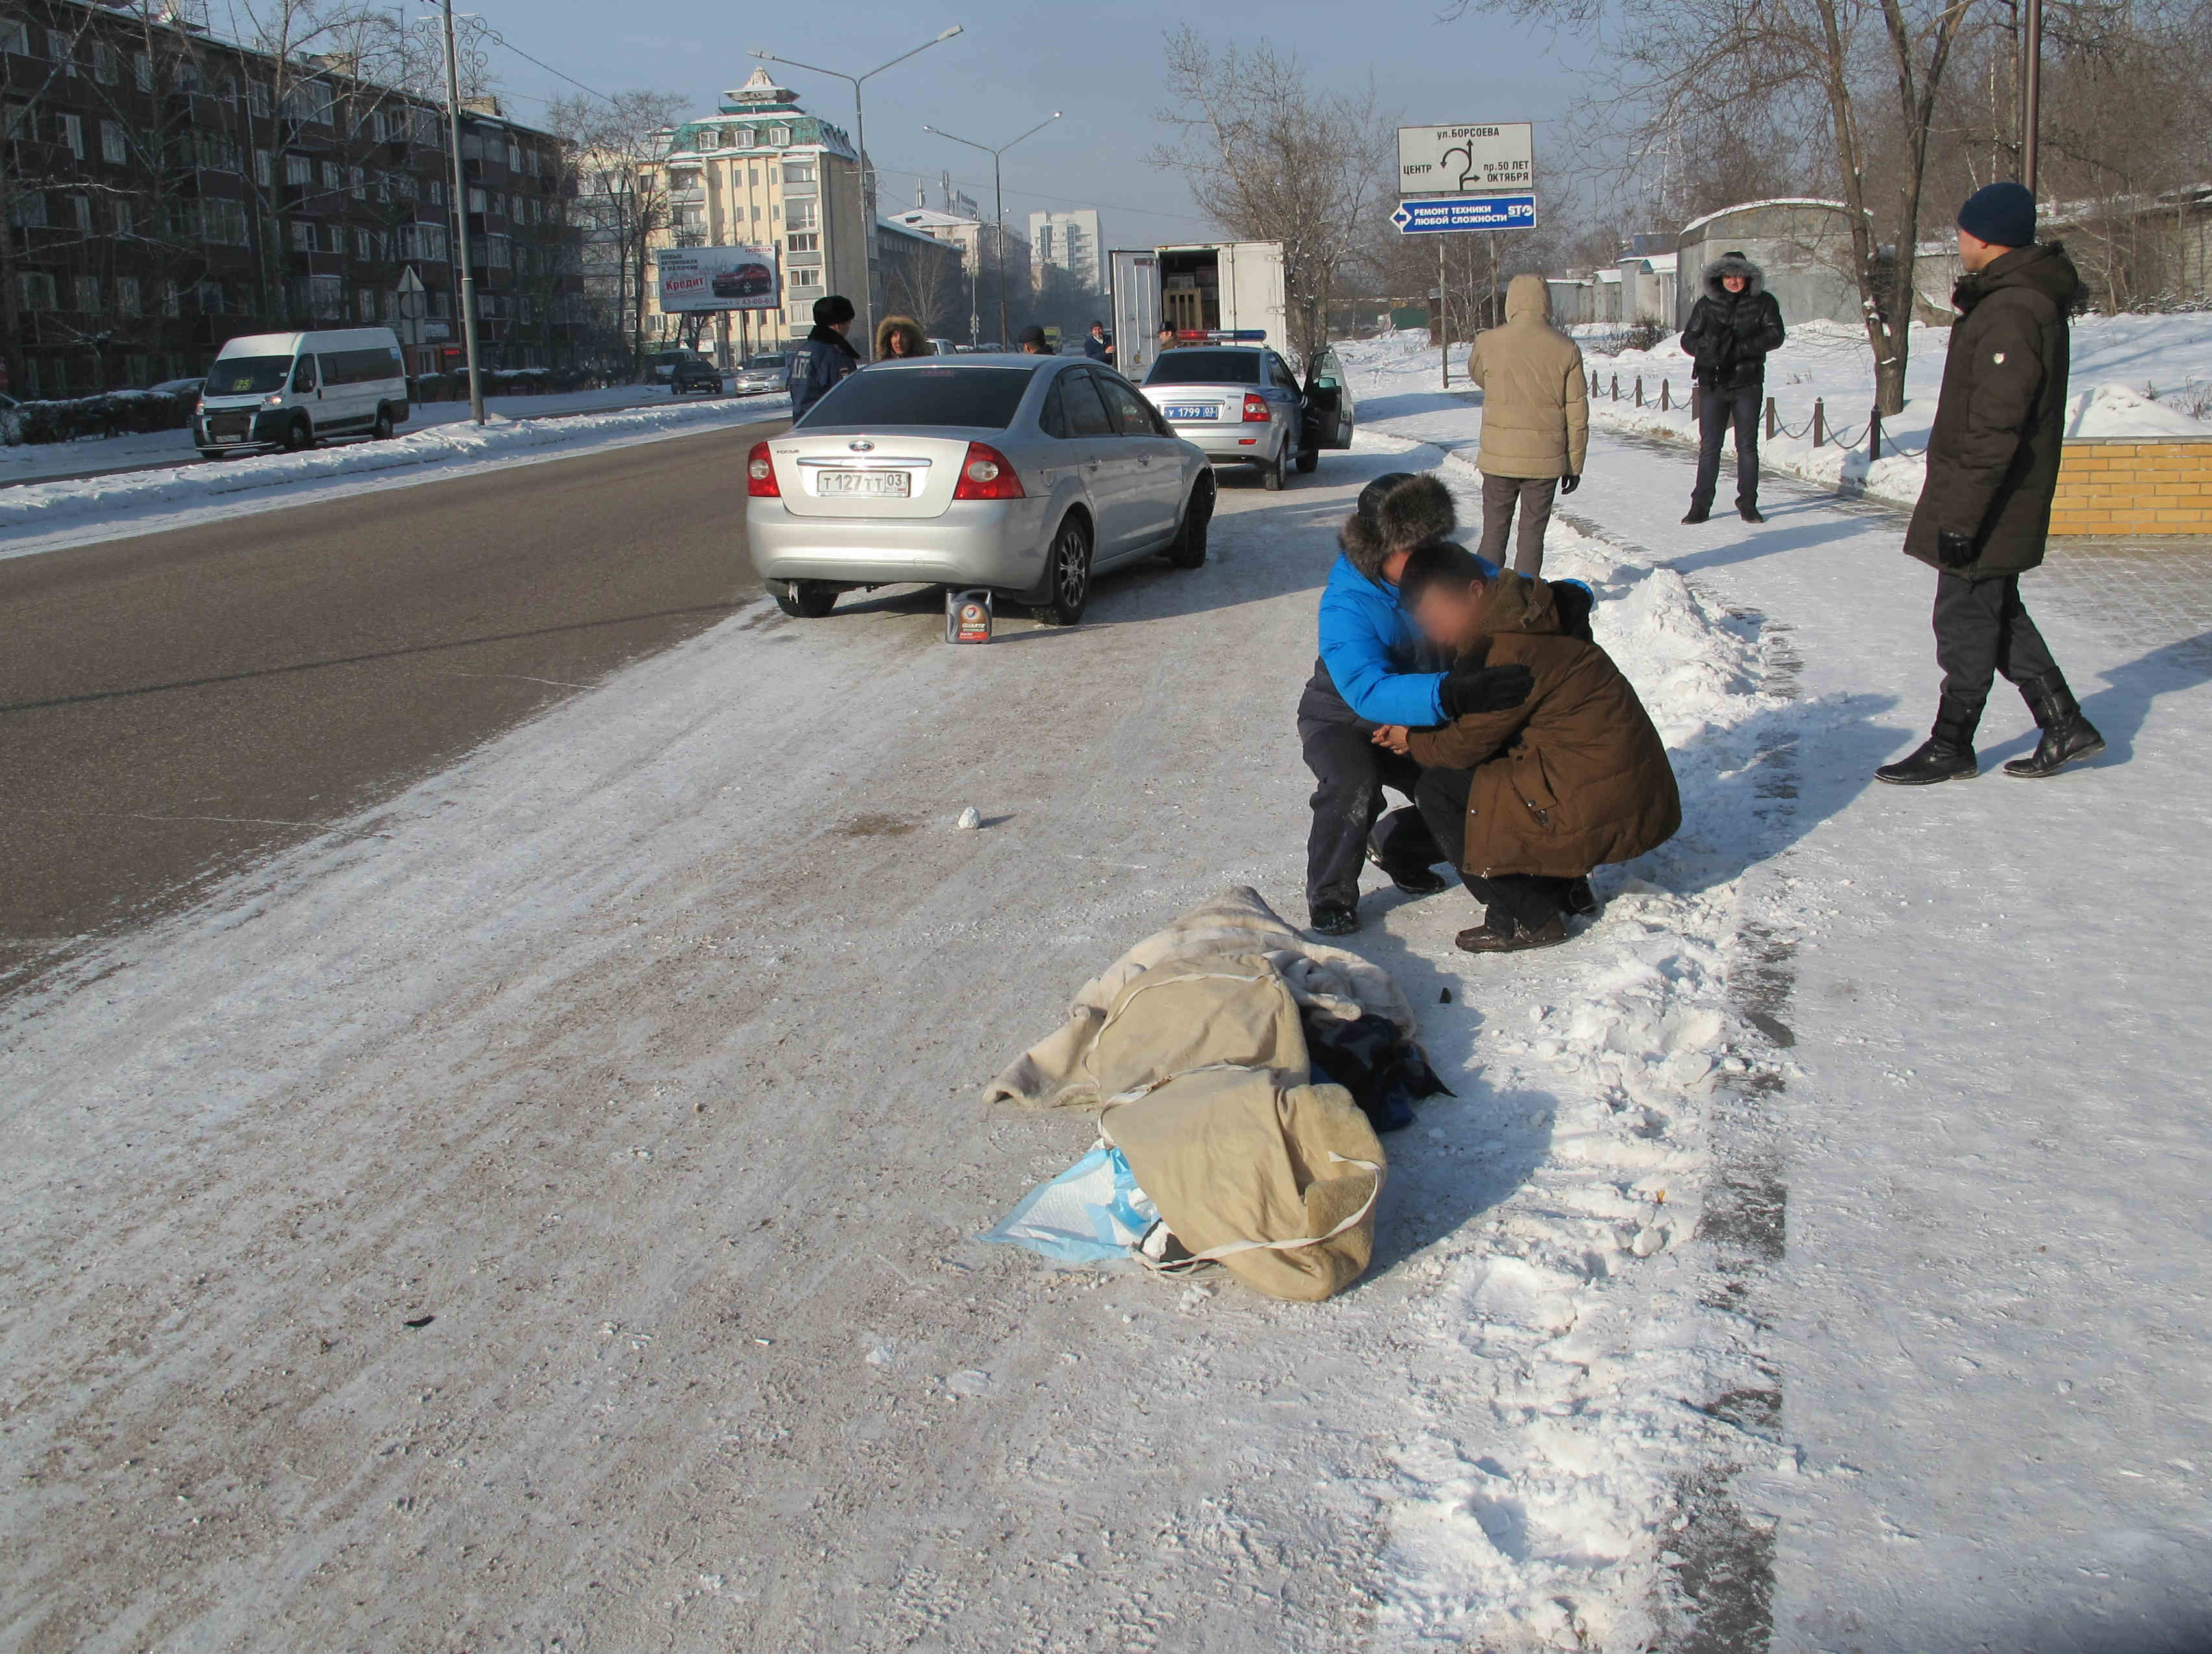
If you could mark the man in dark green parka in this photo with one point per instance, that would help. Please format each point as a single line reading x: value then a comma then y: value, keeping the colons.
x: 1984, y: 509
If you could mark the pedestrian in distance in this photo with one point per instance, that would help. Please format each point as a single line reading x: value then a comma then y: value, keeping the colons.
x: 900, y: 336
x: 1032, y: 341
x: 1526, y: 799
x: 1984, y: 509
x: 1370, y: 673
x: 1535, y: 421
x: 1732, y: 326
x: 826, y: 357
x: 1095, y: 344
x: 1165, y: 339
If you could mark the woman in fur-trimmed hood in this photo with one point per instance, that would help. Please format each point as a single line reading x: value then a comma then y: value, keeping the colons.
x: 898, y: 337
x: 1732, y: 326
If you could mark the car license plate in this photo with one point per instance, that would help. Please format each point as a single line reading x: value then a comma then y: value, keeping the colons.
x: 895, y: 484
x: 1203, y: 412
x: 224, y: 436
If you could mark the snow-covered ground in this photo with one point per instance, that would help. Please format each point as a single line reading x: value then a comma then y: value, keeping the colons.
x: 2132, y: 376
x: 33, y: 462
x: 641, y: 1051
x: 47, y: 516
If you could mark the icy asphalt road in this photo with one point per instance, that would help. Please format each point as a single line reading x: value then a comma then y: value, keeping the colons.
x: 542, y: 1208
x: 174, y: 704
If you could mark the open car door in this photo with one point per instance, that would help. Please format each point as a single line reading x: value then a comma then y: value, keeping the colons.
x: 1330, y: 411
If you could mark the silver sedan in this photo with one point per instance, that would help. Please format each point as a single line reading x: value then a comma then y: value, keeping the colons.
x: 1027, y: 475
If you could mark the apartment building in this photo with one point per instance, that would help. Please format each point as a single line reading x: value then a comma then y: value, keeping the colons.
x: 763, y: 171
x: 164, y: 189
x: 986, y: 251
x: 1069, y: 241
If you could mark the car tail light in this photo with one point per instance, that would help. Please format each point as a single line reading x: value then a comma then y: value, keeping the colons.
x: 985, y: 475
x: 1256, y: 408
x: 760, y: 474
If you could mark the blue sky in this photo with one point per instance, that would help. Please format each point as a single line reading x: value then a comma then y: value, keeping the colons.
x: 1017, y: 64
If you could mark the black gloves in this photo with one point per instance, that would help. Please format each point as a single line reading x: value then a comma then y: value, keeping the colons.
x: 1569, y: 484
x: 1483, y: 689
x: 1953, y: 550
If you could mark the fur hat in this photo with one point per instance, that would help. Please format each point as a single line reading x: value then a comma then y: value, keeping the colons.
x: 1411, y: 511
x: 1732, y: 264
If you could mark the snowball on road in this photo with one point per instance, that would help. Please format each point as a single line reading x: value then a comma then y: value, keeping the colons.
x: 640, y: 1050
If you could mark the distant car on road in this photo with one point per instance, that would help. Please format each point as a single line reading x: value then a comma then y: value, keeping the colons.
x: 1241, y: 403
x: 944, y: 347
x: 745, y: 282
x: 11, y: 421
x: 694, y: 372
x: 761, y: 373
x: 1022, y: 474
x: 178, y: 387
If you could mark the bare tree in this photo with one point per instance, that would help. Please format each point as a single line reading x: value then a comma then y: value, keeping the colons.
x: 1274, y: 158
x: 1853, y: 86
x: 617, y: 146
x: 928, y: 287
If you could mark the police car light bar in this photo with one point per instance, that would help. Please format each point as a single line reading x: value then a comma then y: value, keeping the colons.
x: 1221, y: 334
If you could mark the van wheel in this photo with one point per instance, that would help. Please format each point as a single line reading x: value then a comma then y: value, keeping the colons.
x: 1067, y: 575
x: 299, y: 434
x: 1188, y: 548
x: 803, y: 599
x: 382, y: 432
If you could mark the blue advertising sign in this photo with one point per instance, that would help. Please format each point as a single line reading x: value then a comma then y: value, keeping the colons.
x: 1431, y: 214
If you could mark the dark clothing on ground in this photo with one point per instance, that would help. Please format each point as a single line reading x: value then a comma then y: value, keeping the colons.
x: 1528, y: 900
x: 1729, y: 334
x: 1533, y: 496
x: 1993, y: 453
x: 1982, y: 628
x: 1717, y: 411
x: 1350, y: 772
x: 1572, y: 778
x: 826, y: 357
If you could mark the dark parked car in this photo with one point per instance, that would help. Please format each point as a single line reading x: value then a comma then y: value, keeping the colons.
x: 693, y: 373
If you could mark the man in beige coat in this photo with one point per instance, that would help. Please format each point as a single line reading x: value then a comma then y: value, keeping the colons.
x: 1535, y: 421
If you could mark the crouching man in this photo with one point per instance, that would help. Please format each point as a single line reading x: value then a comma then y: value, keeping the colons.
x: 1528, y: 799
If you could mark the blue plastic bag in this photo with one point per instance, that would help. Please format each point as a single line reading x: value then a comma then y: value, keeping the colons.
x: 1092, y: 1213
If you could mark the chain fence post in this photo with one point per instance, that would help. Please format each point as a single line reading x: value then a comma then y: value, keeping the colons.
x: 1616, y: 387
x: 1639, y: 390
x: 1820, y: 421
x: 1665, y: 390
x: 1771, y: 420
x: 1873, y: 433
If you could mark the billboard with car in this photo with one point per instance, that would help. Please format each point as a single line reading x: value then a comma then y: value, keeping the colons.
x: 717, y: 278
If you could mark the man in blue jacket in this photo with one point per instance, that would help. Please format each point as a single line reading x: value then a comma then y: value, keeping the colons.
x: 1365, y: 680
x: 826, y: 357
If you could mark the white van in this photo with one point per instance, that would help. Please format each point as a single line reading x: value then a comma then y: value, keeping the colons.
x: 291, y: 390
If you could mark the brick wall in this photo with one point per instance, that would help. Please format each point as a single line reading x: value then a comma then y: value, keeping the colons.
x: 2114, y: 486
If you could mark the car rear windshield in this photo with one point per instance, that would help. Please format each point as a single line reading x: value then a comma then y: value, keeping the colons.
x: 984, y: 398
x: 247, y: 376
x: 1189, y: 366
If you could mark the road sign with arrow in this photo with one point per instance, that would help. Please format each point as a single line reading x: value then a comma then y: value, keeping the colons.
x: 1436, y: 214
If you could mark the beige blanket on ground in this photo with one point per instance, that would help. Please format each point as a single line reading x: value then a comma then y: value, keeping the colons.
x: 1058, y: 1072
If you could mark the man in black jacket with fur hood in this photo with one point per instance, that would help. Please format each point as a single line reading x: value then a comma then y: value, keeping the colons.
x: 1732, y: 327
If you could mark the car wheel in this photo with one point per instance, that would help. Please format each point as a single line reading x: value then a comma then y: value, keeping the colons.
x: 1188, y: 548
x: 299, y: 434
x: 803, y: 599
x: 1067, y: 575
x: 1271, y: 474
x: 383, y: 429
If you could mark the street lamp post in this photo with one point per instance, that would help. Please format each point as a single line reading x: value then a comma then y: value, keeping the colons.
x: 860, y: 142
x: 2030, y: 90
x: 998, y: 200
x: 461, y: 220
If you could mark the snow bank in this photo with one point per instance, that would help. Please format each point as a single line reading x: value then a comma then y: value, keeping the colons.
x: 36, y: 507
x: 1543, y: 1522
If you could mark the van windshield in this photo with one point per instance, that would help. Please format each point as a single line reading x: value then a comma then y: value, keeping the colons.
x: 247, y: 376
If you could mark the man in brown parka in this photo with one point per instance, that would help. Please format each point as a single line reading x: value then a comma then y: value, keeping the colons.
x: 1528, y: 800
x: 1535, y: 421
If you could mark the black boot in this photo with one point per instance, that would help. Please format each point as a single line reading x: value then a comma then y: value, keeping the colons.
x: 1697, y: 514
x: 1948, y: 754
x: 1410, y: 880
x: 2067, y: 735
x: 1750, y: 513
x: 1334, y: 919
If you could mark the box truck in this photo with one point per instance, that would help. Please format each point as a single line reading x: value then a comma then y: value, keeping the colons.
x: 1201, y: 290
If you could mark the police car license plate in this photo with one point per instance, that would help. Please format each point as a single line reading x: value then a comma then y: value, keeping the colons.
x: 1204, y: 411
x: 895, y: 484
